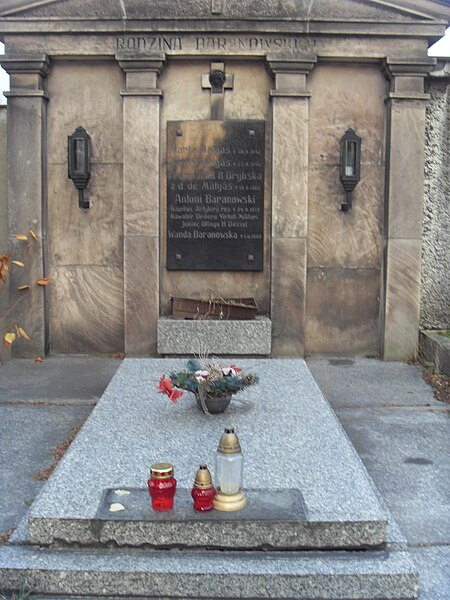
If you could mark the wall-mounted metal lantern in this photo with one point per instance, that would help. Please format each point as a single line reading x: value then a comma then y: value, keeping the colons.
x: 79, y: 162
x: 350, y: 165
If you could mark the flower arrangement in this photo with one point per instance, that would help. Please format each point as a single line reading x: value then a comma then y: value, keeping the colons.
x: 205, y: 379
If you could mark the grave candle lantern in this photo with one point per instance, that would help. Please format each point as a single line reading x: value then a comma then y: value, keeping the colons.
x: 161, y: 486
x: 203, y: 491
x: 229, y: 470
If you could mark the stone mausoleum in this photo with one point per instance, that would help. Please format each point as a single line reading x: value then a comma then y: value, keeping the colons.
x: 214, y: 136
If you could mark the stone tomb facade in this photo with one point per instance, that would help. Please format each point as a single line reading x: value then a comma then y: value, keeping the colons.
x: 128, y: 72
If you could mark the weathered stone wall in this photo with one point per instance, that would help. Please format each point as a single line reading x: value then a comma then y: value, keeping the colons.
x: 435, y: 304
x: 345, y: 248
x: 4, y: 297
x: 3, y: 183
x: 86, y: 246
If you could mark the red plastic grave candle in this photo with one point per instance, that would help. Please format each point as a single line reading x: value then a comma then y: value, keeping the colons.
x: 161, y: 486
x: 203, y: 492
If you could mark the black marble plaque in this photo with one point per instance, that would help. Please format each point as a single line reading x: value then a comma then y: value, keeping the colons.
x: 215, y: 195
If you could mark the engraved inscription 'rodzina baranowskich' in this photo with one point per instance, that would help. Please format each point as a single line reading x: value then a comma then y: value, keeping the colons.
x: 215, y: 195
x: 207, y: 43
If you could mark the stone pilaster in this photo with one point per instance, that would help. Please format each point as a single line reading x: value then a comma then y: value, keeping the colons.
x: 290, y: 109
x: 27, y: 197
x: 141, y: 126
x: 405, y: 142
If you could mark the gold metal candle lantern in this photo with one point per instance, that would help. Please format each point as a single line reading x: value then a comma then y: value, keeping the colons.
x: 229, y: 469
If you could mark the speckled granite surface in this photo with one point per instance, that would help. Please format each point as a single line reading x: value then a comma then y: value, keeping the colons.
x: 289, y: 435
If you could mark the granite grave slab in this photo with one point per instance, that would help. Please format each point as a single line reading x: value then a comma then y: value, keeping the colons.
x: 289, y: 435
x: 301, y: 472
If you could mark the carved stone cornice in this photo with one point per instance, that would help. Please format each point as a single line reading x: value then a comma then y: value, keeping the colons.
x: 406, y: 77
x: 291, y: 64
x: 38, y: 64
x: 134, y: 63
x: 142, y: 71
x: 28, y: 75
x: 289, y: 73
x: 408, y: 67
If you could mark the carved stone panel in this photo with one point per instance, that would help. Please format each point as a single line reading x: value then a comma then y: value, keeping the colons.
x: 215, y: 195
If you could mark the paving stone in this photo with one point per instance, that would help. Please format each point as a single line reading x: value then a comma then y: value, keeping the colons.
x: 29, y: 435
x: 58, y: 379
x: 371, y: 382
x: 434, y: 566
x: 410, y: 468
x: 405, y: 450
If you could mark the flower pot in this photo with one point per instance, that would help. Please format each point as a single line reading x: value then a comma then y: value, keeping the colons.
x: 214, y: 404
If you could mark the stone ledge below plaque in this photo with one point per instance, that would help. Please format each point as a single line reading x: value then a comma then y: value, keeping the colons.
x: 230, y: 337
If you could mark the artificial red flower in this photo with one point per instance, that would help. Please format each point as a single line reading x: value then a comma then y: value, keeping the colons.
x: 166, y: 387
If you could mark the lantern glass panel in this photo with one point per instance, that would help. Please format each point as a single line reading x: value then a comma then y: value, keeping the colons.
x: 229, y: 468
x: 350, y: 159
x: 80, y: 156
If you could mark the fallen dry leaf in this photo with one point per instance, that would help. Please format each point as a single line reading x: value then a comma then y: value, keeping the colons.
x: 4, y: 268
x: 440, y: 384
x: 17, y: 263
x: 21, y: 236
x: 33, y: 235
x: 43, y: 281
x: 24, y: 287
x: 8, y: 339
x: 23, y: 333
x: 38, y: 359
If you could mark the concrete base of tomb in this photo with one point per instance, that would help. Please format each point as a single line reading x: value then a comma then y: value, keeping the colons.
x: 314, y: 527
x: 229, y: 337
x: 211, y: 575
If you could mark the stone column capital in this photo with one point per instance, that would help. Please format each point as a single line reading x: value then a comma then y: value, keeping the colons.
x: 135, y: 63
x: 407, y: 67
x: 292, y: 64
x: 289, y: 73
x: 38, y: 64
x: 28, y: 74
x: 406, y: 77
x: 142, y: 71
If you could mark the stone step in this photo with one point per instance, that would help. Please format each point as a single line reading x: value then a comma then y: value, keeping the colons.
x: 371, y: 575
x: 272, y: 519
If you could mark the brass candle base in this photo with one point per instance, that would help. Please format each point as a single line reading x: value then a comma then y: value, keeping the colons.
x: 229, y: 503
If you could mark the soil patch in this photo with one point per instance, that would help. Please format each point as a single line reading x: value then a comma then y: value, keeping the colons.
x: 57, y: 455
x: 5, y: 535
x: 440, y: 385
